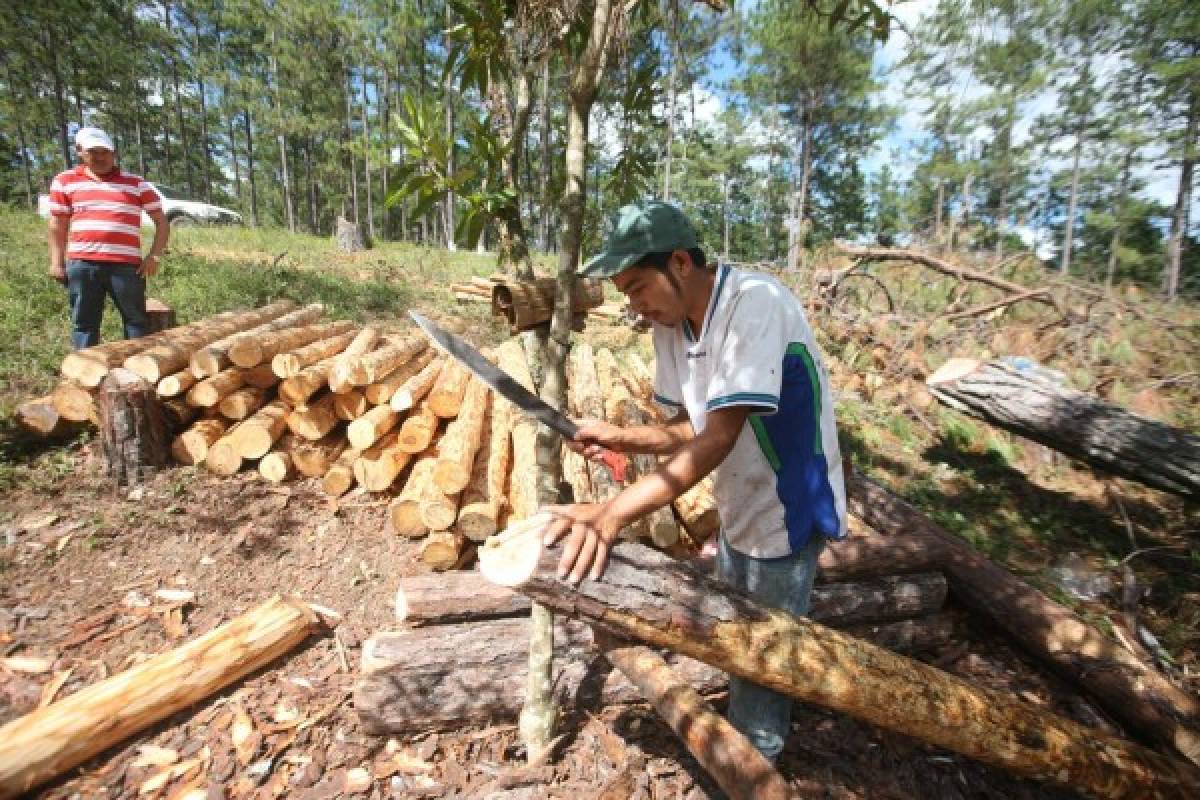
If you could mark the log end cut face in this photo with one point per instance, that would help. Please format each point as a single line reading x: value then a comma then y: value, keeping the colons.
x: 510, y: 558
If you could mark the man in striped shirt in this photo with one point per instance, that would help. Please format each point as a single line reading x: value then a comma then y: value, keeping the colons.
x: 95, y: 239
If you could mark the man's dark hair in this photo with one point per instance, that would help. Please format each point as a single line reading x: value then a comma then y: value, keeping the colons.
x: 659, y: 260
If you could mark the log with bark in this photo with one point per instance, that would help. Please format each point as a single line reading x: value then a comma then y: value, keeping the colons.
x: 618, y: 402
x: 446, y: 397
x: 55, y: 738
x: 340, y: 477
x: 250, y: 351
x: 1078, y: 424
x: 133, y: 428
x: 460, y: 442
x: 528, y: 304
x: 40, y: 418
x: 176, y: 383
x: 178, y: 414
x: 418, y: 430
x: 1134, y: 693
x: 87, y: 367
x: 299, y: 388
x: 213, y: 357
x: 378, y: 466
x: 373, y: 366
x: 159, y: 316
x: 210, y: 391
x: 485, y: 499
x: 75, y: 403
x: 522, y: 489
x: 443, y: 550
x: 173, y: 349
x: 254, y: 436
x: 313, y: 459
x: 223, y: 457
x: 363, y: 343
x: 191, y: 446
x: 448, y: 677
x: 349, y: 406
x: 697, y: 509
x: 277, y: 466
x: 647, y: 596
x: 380, y: 392
x: 314, y: 420
x: 242, y: 403
x: 366, y: 430
x: 415, y: 388
x: 404, y: 512
x: 260, y: 377
x: 289, y: 364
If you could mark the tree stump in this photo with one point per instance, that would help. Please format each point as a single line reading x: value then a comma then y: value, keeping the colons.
x: 349, y: 236
x: 159, y: 316
x: 133, y: 427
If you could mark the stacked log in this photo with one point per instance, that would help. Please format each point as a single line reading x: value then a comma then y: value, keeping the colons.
x: 526, y: 305
x: 214, y: 357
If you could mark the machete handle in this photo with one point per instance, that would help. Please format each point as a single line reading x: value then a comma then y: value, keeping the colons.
x: 616, y: 462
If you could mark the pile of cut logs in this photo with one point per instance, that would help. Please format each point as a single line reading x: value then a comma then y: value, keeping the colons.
x: 279, y: 389
x: 526, y: 305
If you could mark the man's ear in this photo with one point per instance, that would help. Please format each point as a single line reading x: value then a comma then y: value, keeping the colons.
x: 681, y: 262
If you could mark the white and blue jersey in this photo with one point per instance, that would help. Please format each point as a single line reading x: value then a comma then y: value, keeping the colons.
x: 782, y: 482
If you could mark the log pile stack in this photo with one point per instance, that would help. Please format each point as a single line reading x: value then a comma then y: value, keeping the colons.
x: 526, y: 305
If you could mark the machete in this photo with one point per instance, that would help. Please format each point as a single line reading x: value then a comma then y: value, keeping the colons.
x: 508, y: 388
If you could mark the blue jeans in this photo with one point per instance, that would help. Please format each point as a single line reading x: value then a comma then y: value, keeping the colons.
x: 763, y: 715
x: 88, y: 282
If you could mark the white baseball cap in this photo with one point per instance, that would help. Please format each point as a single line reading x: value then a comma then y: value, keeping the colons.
x: 87, y: 138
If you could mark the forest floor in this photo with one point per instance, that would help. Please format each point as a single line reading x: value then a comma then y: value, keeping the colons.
x: 80, y: 563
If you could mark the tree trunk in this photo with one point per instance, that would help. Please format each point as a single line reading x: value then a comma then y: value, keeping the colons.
x: 133, y: 429
x: 366, y: 139
x: 40, y: 418
x: 380, y: 392
x: 449, y: 677
x: 546, y: 228
x: 1122, y: 200
x: 457, y: 448
x: 285, y: 183
x: 799, y: 231
x: 1075, y: 423
x: 414, y: 389
x: 1183, y: 196
x: 254, y: 437
x: 1138, y: 696
x: 378, y: 466
x: 46, y: 743
x: 250, y: 166
x: 647, y: 596
x: 252, y: 350
x: 1069, y: 223
x: 672, y: 80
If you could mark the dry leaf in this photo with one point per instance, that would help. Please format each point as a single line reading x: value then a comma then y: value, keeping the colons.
x: 30, y: 665
x: 150, y: 755
x: 51, y: 689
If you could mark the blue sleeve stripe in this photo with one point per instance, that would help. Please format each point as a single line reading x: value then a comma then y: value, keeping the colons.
x: 743, y: 399
x: 658, y: 398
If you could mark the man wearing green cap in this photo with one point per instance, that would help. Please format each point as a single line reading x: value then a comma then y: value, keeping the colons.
x: 738, y: 365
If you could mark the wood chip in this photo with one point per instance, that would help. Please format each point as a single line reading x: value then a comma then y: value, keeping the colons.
x: 246, y: 740
x: 175, y: 596
x: 30, y: 665
x: 150, y: 755
x: 51, y: 689
x: 358, y: 780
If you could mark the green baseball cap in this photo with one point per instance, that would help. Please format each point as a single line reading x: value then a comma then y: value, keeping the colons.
x: 638, y: 229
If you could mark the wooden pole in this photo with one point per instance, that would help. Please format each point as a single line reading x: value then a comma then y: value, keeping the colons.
x: 378, y: 466
x: 415, y: 388
x: 191, y: 446
x: 350, y: 405
x: 51, y: 740
x: 380, y: 392
x: 210, y: 391
x: 250, y: 351
x: 446, y: 397
x: 417, y: 432
x: 648, y: 596
x: 366, y: 430
x: 313, y: 459
x: 255, y: 435
x: 484, y: 500
x: 404, y: 511
x: 340, y: 477
x: 212, y: 358
x: 288, y: 364
x: 363, y: 343
x: 314, y: 420
x: 242, y: 403
x: 461, y: 441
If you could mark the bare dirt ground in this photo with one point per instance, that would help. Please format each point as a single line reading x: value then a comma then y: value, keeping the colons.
x: 81, y: 564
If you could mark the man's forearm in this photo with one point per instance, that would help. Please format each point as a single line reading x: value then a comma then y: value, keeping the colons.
x: 162, y: 232
x: 658, y: 440
x: 57, y: 237
x: 686, y: 467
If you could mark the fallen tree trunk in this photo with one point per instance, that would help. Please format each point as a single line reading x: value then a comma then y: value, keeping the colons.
x: 647, y: 596
x: 529, y: 304
x: 48, y: 742
x: 1138, y: 696
x: 737, y: 767
x: 75, y: 403
x: 1078, y: 424
x: 450, y: 676
x: 40, y: 418
x: 133, y: 428
x: 465, y: 596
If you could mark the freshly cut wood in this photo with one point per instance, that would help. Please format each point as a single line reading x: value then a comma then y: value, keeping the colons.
x: 575, y: 473
x: 340, y: 477
x: 260, y: 377
x: 214, y: 357
x: 277, y: 466
x: 587, y: 401
x: 304, y: 384
x: 87, y: 367
x: 639, y: 374
x: 373, y: 366
x: 210, y: 391
x: 74, y: 402
x: 173, y: 351
x: 176, y: 383
x: 485, y: 499
x: 414, y: 389
x: 133, y: 428
x: 464, y: 596
x: 314, y: 459
x: 364, y: 342
x: 648, y: 596
x: 366, y: 429
x: 1136, y: 694
x: 438, y: 510
x: 250, y: 351
x: 405, y: 509
x: 452, y: 676
x: 42, y: 419
x: 350, y: 405
x: 446, y: 397
x: 1078, y: 424
x: 737, y: 767
x: 314, y: 420
x: 377, y: 467
x: 191, y: 446
x: 223, y: 457
x: 523, y: 490
x: 618, y: 402
x: 528, y: 304
x: 58, y: 737
x: 289, y: 364
x: 442, y: 550
x: 255, y: 435
x: 463, y: 436
x: 697, y: 508
x: 242, y: 403
x: 418, y: 430
x: 380, y: 392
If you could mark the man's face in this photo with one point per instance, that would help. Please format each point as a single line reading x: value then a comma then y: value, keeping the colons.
x: 99, y: 160
x: 652, y: 294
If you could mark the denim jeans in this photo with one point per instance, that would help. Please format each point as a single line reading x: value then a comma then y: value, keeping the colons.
x: 88, y: 282
x: 763, y: 715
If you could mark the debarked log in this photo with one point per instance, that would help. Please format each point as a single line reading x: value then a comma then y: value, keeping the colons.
x: 646, y: 596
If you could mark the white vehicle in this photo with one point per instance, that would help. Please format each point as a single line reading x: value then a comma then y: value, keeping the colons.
x: 180, y: 209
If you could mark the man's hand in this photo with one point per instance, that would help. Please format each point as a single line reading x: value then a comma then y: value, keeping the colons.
x: 595, y: 436
x: 59, y: 273
x: 149, y: 266
x: 590, y: 530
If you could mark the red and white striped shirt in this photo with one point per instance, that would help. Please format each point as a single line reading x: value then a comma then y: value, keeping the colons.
x: 106, y: 214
